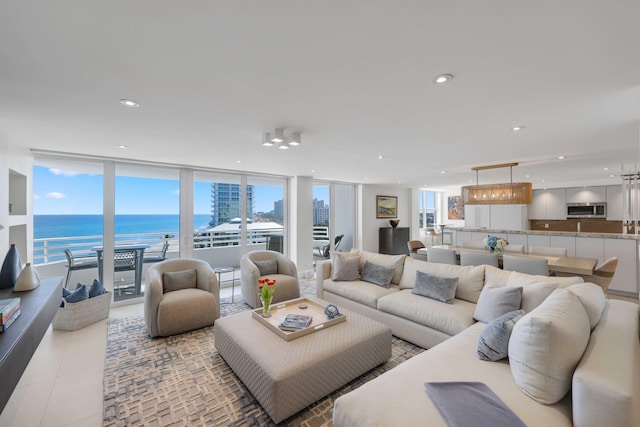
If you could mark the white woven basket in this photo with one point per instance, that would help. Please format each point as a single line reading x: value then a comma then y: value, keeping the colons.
x: 76, y: 315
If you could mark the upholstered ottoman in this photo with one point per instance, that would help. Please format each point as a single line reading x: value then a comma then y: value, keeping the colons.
x: 287, y: 376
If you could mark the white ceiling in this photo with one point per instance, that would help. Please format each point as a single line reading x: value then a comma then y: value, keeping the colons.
x: 354, y: 77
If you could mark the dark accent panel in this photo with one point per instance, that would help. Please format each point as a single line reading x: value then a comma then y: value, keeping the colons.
x: 21, y: 340
x: 587, y: 225
x: 393, y: 241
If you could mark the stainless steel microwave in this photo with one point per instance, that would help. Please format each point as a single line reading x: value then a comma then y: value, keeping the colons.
x: 587, y: 210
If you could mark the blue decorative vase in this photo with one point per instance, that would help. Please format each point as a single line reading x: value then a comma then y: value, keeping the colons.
x: 11, y: 268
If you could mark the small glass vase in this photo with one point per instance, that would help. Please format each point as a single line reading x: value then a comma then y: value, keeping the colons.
x: 266, y: 306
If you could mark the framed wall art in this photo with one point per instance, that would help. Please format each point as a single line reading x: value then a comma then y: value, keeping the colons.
x: 455, y: 207
x: 386, y: 207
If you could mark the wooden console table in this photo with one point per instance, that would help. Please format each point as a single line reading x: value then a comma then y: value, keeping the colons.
x: 21, y: 340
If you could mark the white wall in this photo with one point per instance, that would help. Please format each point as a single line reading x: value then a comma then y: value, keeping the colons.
x: 301, y: 224
x: 370, y: 224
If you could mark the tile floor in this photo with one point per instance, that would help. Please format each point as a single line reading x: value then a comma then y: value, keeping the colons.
x: 62, y: 385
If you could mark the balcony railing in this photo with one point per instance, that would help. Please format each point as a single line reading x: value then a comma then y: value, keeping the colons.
x: 52, y: 249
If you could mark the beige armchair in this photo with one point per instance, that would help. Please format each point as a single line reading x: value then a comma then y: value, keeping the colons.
x: 181, y: 295
x: 274, y: 265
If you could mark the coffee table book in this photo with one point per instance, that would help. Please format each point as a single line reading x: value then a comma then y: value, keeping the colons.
x: 280, y: 311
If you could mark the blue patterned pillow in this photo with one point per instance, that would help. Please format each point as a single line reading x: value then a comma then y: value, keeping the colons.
x: 494, y: 341
x: 377, y: 274
x: 80, y: 294
x: 96, y: 289
x: 65, y: 294
x: 439, y: 288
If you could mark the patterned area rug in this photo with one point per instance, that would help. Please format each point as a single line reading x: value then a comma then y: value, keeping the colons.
x: 183, y: 381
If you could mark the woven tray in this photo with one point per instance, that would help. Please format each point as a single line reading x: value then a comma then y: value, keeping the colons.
x: 77, y: 315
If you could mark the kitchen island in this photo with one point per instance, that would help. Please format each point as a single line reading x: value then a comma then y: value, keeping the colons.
x: 588, y: 245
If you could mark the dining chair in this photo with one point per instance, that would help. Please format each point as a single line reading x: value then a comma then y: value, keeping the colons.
x: 514, y: 248
x: 602, y: 275
x: 523, y: 264
x: 413, y: 246
x: 441, y: 255
x: 473, y: 244
x: 74, y: 264
x: 478, y: 258
x: 548, y: 250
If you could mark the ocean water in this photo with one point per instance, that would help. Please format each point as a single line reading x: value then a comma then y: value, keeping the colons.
x: 56, y: 226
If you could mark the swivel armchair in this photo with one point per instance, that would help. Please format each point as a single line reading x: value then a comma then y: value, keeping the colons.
x: 271, y: 264
x: 181, y: 295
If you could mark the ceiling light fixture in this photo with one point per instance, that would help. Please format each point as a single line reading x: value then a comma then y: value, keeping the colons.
x: 122, y: 146
x: 517, y: 128
x: 282, y: 140
x: 129, y: 103
x: 511, y: 193
x: 381, y: 157
x: 560, y: 157
x: 442, y: 78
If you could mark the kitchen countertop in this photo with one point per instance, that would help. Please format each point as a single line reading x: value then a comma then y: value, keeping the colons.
x: 549, y: 233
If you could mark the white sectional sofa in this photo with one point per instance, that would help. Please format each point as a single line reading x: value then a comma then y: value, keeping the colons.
x: 604, y: 386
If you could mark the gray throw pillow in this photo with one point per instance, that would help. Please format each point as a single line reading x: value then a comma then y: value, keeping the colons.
x: 496, y: 301
x: 267, y: 267
x: 439, y: 288
x: 377, y: 274
x: 493, y: 344
x: 176, y: 280
x: 346, y: 268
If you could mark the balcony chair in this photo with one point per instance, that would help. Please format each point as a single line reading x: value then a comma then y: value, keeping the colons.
x: 274, y: 265
x: 74, y: 264
x: 602, y: 275
x: 548, y: 250
x: 523, y: 264
x: 181, y: 295
x: 413, y: 246
x: 441, y: 255
x: 478, y: 258
x: 152, y: 256
x: 324, y: 251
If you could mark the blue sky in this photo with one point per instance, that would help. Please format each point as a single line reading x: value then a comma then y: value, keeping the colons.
x: 67, y: 193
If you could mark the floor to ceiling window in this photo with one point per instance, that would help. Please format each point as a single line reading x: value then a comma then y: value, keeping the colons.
x: 267, y: 197
x: 333, y: 218
x: 147, y: 223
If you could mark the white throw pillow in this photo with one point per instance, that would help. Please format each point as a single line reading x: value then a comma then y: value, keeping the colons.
x: 547, y: 344
x: 592, y: 298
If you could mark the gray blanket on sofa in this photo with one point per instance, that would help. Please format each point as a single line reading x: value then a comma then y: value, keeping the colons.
x: 465, y: 404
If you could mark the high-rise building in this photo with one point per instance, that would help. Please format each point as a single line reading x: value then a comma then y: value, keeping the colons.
x: 320, y: 212
x: 278, y: 209
x: 225, y: 202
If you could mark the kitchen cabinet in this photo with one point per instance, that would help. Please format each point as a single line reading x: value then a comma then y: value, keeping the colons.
x: 537, y: 240
x: 568, y: 242
x: 586, y: 194
x: 590, y: 247
x: 477, y: 215
x: 614, y: 202
x: 548, y: 204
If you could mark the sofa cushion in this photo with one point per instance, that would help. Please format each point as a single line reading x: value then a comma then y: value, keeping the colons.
x: 448, y: 318
x: 496, y: 276
x: 493, y: 344
x: 470, y: 277
x: 176, y: 280
x: 346, y: 267
x: 592, y: 298
x: 534, y: 293
x: 439, y: 288
x: 546, y: 346
x: 359, y: 291
x: 520, y: 279
x: 377, y: 274
x: 496, y: 301
x: 395, y: 261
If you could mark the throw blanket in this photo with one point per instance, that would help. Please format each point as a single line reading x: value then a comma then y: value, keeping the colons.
x: 464, y: 404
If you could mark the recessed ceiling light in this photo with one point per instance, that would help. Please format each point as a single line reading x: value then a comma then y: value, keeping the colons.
x: 544, y: 180
x: 527, y: 176
x: 442, y: 78
x: 399, y: 182
x: 381, y: 157
x: 612, y: 176
x: 517, y: 128
x: 560, y: 157
x: 443, y: 172
x: 366, y: 177
x: 238, y: 161
x: 122, y: 146
x: 606, y: 169
x: 129, y: 103
x: 313, y: 171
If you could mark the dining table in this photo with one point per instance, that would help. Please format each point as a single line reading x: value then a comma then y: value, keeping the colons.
x: 120, y: 253
x: 560, y: 264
